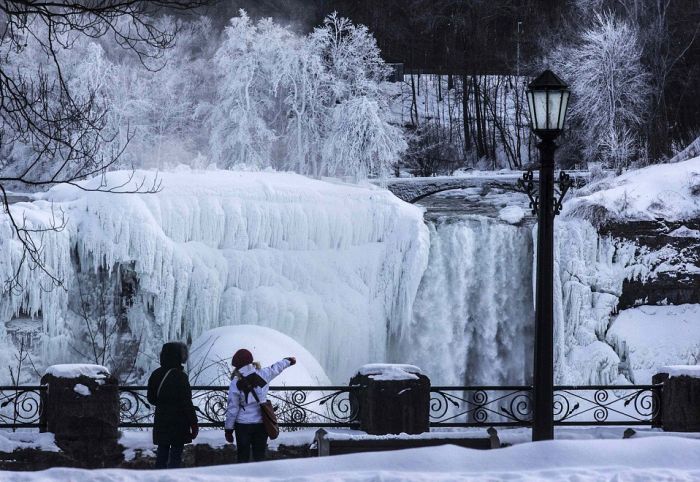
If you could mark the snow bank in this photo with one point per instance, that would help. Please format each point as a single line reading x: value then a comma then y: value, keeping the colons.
x: 681, y: 370
x: 389, y: 371
x: 210, y: 356
x: 668, y: 191
x: 655, y: 336
x: 657, y: 458
x: 334, y: 266
x: 11, y: 441
x: 74, y: 370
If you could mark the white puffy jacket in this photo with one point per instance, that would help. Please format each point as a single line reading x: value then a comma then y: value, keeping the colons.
x: 240, y: 410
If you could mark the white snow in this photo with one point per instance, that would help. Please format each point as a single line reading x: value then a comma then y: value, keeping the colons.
x: 74, y: 370
x: 210, y: 356
x: 390, y: 371
x: 685, y: 232
x: 657, y: 336
x: 81, y: 389
x: 511, y: 214
x: 692, y: 371
x: 644, y: 459
x: 140, y: 442
x: 657, y: 191
x: 308, y: 258
x: 11, y: 441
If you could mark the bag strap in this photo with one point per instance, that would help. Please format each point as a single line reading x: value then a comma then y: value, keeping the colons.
x: 248, y: 386
x: 163, y: 381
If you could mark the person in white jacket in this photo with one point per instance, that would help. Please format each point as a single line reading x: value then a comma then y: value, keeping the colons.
x: 243, y: 413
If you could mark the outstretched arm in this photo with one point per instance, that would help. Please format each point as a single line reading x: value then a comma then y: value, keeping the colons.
x: 269, y: 373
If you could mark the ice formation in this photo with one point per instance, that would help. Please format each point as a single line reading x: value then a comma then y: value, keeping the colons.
x: 334, y: 266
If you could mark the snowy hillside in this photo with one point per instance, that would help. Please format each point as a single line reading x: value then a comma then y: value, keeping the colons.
x: 666, y: 191
x: 334, y: 266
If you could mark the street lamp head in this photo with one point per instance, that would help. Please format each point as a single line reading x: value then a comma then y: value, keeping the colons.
x: 547, y: 99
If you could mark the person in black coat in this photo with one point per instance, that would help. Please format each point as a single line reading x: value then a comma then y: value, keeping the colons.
x: 175, y: 421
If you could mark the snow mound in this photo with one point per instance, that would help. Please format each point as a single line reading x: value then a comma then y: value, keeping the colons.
x: 657, y: 336
x: 668, y: 191
x: 390, y: 371
x: 210, y: 356
x: 511, y: 214
x: 681, y: 370
x: 74, y: 370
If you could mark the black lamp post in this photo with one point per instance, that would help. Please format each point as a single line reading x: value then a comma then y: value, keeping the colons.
x: 547, y: 98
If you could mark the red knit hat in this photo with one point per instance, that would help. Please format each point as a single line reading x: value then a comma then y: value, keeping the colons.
x: 242, y: 358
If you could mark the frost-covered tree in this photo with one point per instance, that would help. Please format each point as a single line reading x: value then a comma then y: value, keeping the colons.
x: 610, y: 88
x: 288, y: 101
x: 361, y: 142
x: 54, y: 126
x: 243, y: 121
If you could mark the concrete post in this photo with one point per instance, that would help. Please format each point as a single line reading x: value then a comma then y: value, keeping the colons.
x: 81, y: 408
x: 680, y: 398
x: 393, y: 399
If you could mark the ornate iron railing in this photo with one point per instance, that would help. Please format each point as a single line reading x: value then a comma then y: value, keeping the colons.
x: 573, y: 405
x: 480, y: 406
x: 333, y: 406
x: 607, y: 405
x: 296, y: 407
x: 20, y: 406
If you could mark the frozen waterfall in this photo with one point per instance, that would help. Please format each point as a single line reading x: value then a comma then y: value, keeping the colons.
x: 473, y: 314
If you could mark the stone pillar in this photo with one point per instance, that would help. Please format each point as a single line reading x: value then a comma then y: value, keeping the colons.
x: 680, y: 398
x: 393, y: 399
x: 81, y: 408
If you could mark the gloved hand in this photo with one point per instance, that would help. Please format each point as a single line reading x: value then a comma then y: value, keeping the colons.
x: 292, y: 360
x: 229, y: 436
x: 194, y: 430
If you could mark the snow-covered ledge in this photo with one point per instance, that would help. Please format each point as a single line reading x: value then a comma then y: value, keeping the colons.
x: 390, y: 371
x: 75, y: 370
x: 692, y: 371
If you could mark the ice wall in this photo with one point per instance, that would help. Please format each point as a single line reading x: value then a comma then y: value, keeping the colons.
x: 473, y: 314
x: 334, y: 266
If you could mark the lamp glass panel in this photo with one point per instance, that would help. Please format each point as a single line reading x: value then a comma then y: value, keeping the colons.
x: 562, y: 109
x: 554, y: 99
x: 540, y: 108
x: 531, y: 107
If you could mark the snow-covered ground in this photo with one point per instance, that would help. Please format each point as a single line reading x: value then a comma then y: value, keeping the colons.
x: 656, y: 336
x: 645, y: 459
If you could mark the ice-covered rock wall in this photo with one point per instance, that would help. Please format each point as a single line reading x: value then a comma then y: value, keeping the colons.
x: 473, y: 315
x: 334, y: 266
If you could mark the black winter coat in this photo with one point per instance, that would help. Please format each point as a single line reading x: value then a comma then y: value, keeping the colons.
x: 175, y: 413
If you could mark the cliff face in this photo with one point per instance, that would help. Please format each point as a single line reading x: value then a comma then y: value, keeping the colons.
x: 672, y: 251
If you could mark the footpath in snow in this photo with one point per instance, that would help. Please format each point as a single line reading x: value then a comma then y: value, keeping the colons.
x: 646, y: 459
